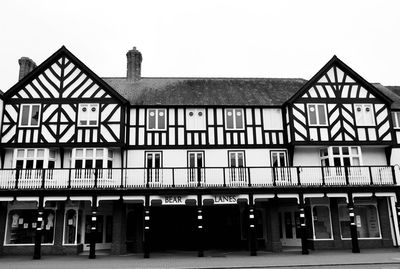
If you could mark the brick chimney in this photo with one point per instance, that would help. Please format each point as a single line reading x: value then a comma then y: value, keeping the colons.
x: 134, y: 58
x: 26, y: 65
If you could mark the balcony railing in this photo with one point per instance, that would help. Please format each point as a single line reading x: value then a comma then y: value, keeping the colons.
x: 183, y: 177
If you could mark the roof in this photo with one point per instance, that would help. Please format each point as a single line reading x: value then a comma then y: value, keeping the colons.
x: 393, y: 92
x: 207, y: 91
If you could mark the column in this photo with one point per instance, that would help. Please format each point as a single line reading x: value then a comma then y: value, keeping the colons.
x: 93, y: 230
x: 146, y: 232
x: 303, y: 226
x: 200, y: 230
x: 252, y: 228
x: 353, y: 227
x: 38, y: 235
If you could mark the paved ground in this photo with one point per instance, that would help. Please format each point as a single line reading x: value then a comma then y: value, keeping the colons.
x: 377, y: 258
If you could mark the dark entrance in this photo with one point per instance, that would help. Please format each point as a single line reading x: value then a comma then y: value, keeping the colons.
x: 173, y: 228
x: 222, y: 228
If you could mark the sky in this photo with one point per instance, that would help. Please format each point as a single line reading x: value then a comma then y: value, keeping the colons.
x: 207, y: 38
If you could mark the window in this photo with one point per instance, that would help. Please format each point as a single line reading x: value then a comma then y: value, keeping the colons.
x: 279, y: 161
x: 71, y: 231
x: 29, y: 115
x: 340, y: 156
x: 153, y: 165
x: 195, y: 119
x: 21, y: 227
x: 272, y: 118
x: 364, y: 114
x: 234, y: 119
x: 237, y: 171
x: 322, y: 222
x: 86, y: 159
x: 88, y: 115
x: 195, y: 164
x: 317, y: 115
x: 34, y: 158
x: 396, y: 119
x: 366, y: 219
x: 156, y: 119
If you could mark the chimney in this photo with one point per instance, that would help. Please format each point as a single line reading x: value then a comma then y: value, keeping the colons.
x: 26, y: 65
x: 134, y: 58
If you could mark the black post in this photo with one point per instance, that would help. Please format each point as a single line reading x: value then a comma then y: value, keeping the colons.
x: 252, y: 227
x: 303, y: 226
x: 146, y: 233
x: 200, y: 229
x: 93, y: 230
x: 353, y: 226
x: 38, y: 235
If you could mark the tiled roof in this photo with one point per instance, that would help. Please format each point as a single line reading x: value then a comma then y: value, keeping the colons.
x: 393, y: 92
x: 207, y: 91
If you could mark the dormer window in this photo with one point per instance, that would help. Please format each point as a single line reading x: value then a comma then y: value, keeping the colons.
x: 29, y: 115
x: 195, y: 119
x: 88, y: 115
x: 364, y: 115
x: 156, y: 120
x: 234, y: 119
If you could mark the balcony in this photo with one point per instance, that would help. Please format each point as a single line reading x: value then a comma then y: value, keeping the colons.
x: 210, y: 177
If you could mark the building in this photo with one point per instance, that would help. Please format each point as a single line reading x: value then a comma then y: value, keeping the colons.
x: 148, y: 164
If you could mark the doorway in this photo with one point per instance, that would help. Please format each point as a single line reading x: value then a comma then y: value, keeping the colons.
x: 289, y: 226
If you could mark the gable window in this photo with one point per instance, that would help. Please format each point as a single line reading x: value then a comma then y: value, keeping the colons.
x: 234, y: 119
x: 195, y: 119
x: 396, y: 119
x: 29, y: 115
x: 364, y: 114
x: 156, y: 119
x: 88, y: 115
x: 340, y: 156
x: 317, y: 115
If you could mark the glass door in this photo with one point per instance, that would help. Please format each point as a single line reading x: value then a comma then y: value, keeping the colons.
x: 195, y: 164
x: 279, y: 163
x: 153, y: 165
x: 237, y: 171
x: 289, y: 222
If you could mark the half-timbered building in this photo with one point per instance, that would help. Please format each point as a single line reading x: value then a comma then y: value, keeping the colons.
x: 137, y: 164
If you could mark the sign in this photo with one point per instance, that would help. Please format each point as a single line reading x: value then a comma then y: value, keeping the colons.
x: 225, y: 199
x: 174, y: 199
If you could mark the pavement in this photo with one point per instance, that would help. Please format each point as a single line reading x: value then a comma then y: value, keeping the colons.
x: 182, y: 260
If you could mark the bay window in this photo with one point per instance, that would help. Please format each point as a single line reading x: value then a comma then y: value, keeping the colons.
x: 84, y: 160
x: 341, y: 156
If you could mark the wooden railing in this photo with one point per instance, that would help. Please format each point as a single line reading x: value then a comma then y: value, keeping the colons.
x: 183, y: 177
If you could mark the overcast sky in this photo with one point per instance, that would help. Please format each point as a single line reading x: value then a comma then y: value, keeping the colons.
x: 292, y: 39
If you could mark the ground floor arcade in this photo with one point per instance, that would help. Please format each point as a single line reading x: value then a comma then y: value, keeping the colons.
x: 198, y: 223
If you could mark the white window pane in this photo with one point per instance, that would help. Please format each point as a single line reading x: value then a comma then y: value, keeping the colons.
x: 79, y: 153
x: 20, y: 153
x: 31, y: 153
x: 89, y: 153
x: 354, y: 150
x: 35, y: 115
x: 40, y: 153
x: 52, y: 154
x: 99, y: 153
x: 110, y: 153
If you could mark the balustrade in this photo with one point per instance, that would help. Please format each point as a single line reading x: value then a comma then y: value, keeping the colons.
x: 187, y: 177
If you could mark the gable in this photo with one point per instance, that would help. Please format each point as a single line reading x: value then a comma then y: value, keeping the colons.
x: 62, y: 76
x: 337, y: 81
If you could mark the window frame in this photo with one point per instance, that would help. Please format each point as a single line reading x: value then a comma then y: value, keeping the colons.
x: 156, y: 124
x: 272, y: 152
x: 363, y: 111
x: 330, y: 220
x: 196, y: 118
x: 358, y: 204
x: 331, y: 156
x: 46, y: 157
x: 105, y: 158
x: 89, y: 118
x: 396, y: 119
x: 29, y: 124
x: 317, y: 114
x: 234, y: 127
x: 8, y: 230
